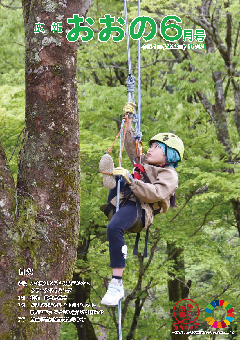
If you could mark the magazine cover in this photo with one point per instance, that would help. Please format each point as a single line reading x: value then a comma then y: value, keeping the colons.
x: 119, y: 170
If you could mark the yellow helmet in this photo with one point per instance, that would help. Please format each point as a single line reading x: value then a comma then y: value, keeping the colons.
x: 171, y: 140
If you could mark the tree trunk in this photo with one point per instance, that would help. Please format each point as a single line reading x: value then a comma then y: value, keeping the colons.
x: 236, y: 91
x: 42, y: 232
x: 218, y: 109
x: 219, y: 112
x: 177, y: 290
x: 81, y: 294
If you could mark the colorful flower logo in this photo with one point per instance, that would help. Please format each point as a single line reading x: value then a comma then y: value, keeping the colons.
x: 209, y: 310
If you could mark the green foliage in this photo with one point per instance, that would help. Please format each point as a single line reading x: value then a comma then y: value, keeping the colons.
x: 68, y: 332
x: 12, y: 96
x: 203, y: 224
x: 12, y: 99
x: 12, y: 45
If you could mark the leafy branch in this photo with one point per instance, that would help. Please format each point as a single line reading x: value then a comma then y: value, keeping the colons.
x: 10, y: 6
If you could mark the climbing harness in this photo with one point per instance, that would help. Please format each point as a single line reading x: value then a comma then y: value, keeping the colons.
x: 137, y: 225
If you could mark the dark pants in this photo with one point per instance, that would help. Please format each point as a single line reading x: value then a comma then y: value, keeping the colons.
x: 122, y: 220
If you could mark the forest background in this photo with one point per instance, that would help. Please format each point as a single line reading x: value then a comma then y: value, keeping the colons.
x: 193, y: 250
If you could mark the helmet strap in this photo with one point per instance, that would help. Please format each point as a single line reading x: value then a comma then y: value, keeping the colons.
x: 166, y: 157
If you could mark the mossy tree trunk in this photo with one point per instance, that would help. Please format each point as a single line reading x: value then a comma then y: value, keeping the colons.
x: 39, y: 219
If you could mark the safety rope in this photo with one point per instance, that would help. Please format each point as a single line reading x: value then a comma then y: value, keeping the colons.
x: 136, y: 120
x: 119, y: 320
x: 122, y: 127
x: 120, y: 164
x: 129, y: 109
x: 138, y: 132
x: 130, y: 79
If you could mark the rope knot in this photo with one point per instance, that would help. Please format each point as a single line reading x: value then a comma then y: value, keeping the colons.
x: 129, y: 108
x: 130, y: 83
x: 135, y: 118
x: 138, y: 136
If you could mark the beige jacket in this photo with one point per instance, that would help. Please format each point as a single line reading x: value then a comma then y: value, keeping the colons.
x: 164, y: 182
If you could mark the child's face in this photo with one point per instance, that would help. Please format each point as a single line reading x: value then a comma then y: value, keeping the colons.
x: 155, y: 155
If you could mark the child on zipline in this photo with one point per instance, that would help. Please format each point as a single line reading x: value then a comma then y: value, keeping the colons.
x: 156, y: 184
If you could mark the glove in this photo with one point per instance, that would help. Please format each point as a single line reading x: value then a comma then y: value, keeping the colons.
x: 124, y: 173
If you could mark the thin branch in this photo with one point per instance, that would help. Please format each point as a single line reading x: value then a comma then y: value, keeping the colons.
x: 235, y: 85
x: 236, y: 41
x: 204, y: 219
x: 125, y: 68
x: 211, y: 31
x: 157, y: 61
x: 180, y: 210
x: 16, y: 144
x: 177, y: 55
x: 215, y: 20
x: 90, y: 193
x: 142, y: 271
x: 12, y: 7
x: 138, y: 308
x: 112, y: 118
x: 228, y: 38
x: 107, y: 308
x: 226, y: 91
x: 225, y: 288
x: 198, y: 52
x: 206, y: 103
x: 90, y: 166
x: 101, y: 325
x: 7, y: 189
x: 200, y: 22
x: 189, y: 289
x: 19, y: 44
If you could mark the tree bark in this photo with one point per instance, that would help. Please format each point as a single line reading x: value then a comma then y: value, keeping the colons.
x: 7, y: 253
x: 41, y: 233
x: 219, y: 113
x: 176, y: 288
x: 236, y: 92
x: 218, y: 109
x: 81, y: 294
